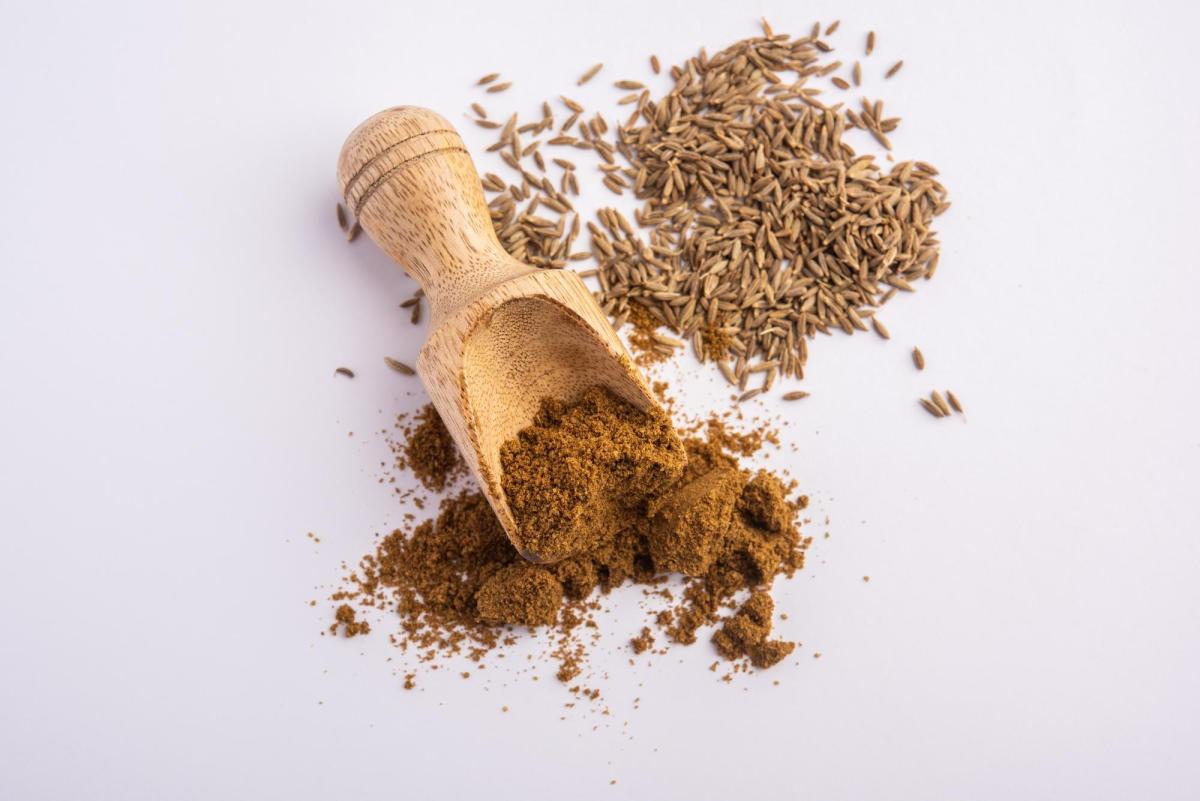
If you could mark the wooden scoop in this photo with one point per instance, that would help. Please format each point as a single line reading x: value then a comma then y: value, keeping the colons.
x: 504, y: 335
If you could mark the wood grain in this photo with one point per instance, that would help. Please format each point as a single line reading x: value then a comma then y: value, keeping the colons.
x: 504, y: 335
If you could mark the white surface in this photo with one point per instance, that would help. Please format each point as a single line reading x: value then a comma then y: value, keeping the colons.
x: 174, y: 297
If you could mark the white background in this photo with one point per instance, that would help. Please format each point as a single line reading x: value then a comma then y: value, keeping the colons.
x: 174, y: 296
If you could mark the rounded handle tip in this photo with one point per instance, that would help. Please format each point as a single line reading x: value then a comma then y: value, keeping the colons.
x: 384, y: 142
x: 409, y: 181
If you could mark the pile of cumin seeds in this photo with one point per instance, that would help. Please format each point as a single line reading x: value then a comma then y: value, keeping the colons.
x: 757, y: 217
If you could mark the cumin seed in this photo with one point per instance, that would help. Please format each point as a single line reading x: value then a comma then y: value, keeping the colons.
x: 591, y: 73
x: 940, y: 402
x: 929, y: 407
x: 399, y: 366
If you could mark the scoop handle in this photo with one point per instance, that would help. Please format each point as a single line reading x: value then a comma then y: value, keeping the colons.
x: 409, y: 181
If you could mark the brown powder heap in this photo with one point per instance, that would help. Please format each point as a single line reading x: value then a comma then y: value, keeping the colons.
x: 457, y: 581
x: 692, y: 519
x: 432, y: 576
x: 747, y: 555
x: 524, y: 594
x: 745, y: 634
x: 430, y: 451
x: 573, y: 478
x: 764, y: 503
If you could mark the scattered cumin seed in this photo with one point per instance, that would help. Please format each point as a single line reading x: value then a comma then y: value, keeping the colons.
x: 629, y: 85
x: 410, y: 303
x: 398, y: 366
x: 940, y: 402
x: 955, y: 403
x: 416, y: 314
x: 797, y: 395
x: 840, y: 83
x: 918, y: 358
x: 486, y: 79
x: 591, y: 73
x: 856, y: 74
x: 833, y: 26
x: 753, y: 393
x: 480, y: 110
x: 500, y: 87
x: 880, y: 328
x: 654, y: 65
x: 346, y: 371
x: 870, y: 42
x: 341, y: 217
x: 929, y: 407
x: 894, y: 69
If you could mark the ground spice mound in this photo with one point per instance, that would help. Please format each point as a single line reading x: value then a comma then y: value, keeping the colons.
x: 430, y: 452
x: 748, y: 554
x: 458, y: 585
x: 690, y: 520
x: 745, y: 634
x: 763, y: 501
x: 572, y: 478
x: 521, y: 594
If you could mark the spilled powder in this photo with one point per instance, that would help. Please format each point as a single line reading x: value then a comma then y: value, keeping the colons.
x: 644, y: 340
x: 522, y: 594
x: 581, y: 472
x: 747, y: 632
x: 458, y: 586
x: 345, y: 617
x: 430, y: 451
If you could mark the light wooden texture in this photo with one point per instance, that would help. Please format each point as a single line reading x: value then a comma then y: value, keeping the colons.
x: 504, y: 335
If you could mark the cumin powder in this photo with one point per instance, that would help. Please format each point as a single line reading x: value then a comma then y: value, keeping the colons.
x: 573, y: 478
x: 430, y: 451
x: 458, y: 585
